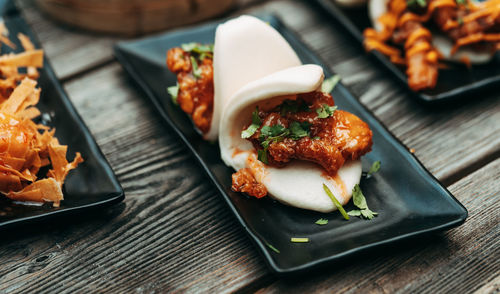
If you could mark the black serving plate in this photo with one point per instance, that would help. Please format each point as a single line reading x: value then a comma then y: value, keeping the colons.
x: 410, y: 201
x: 454, y: 83
x: 93, y: 183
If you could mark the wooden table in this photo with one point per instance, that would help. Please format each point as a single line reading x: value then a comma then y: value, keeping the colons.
x: 174, y: 233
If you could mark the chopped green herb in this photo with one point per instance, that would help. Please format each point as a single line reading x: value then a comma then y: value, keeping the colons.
x: 197, y: 48
x: 174, y: 92
x: 262, y: 155
x: 330, y: 83
x: 316, y: 138
x: 325, y: 111
x: 374, y: 168
x: 335, y: 201
x: 196, y: 69
x: 360, y: 202
x: 299, y: 130
x: 292, y: 106
x: 354, y: 212
x: 254, y: 126
x: 422, y: 3
x: 272, y: 131
x: 272, y: 247
x: 299, y: 240
x: 322, y: 221
x: 460, y: 20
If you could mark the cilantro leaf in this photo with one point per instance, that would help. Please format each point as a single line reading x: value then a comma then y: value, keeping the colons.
x: 322, y: 221
x: 197, y: 47
x: 262, y: 155
x: 316, y: 138
x: 374, y: 168
x: 368, y: 214
x: 422, y: 3
x: 249, y: 131
x: 245, y: 134
x: 174, y: 92
x: 299, y: 130
x: 292, y: 106
x: 330, y: 83
x: 325, y: 111
x: 196, y: 69
x: 360, y: 202
x: 354, y: 212
x: 335, y: 201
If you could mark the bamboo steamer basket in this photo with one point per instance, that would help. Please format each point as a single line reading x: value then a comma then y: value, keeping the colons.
x: 132, y: 17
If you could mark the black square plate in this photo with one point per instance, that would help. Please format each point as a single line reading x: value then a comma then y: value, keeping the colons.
x: 93, y: 183
x: 409, y: 200
x: 454, y: 83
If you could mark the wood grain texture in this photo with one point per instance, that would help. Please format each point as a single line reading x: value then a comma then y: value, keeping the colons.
x: 461, y: 260
x: 174, y: 233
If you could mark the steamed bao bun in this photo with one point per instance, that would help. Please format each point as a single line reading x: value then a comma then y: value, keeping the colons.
x: 299, y: 183
x: 245, y: 49
x: 440, y: 41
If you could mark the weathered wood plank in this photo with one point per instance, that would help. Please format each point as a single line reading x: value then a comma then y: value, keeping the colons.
x: 69, y: 50
x: 174, y: 232
x: 465, y: 259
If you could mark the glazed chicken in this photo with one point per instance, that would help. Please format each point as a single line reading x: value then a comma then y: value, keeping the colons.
x: 404, y: 25
x: 195, y: 81
x: 327, y: 140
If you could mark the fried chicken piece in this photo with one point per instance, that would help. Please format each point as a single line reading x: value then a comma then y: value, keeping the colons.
x: 196, y: 91
x: 244, y: 181
x: 333, y: 140
x: 421, y: 57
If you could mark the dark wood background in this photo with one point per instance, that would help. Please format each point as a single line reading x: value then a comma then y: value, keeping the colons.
x: 174, y: 233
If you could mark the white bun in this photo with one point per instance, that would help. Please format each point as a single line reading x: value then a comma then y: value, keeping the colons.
x: 245, y: 49
x: 442, y: 43
x: 299, y: 183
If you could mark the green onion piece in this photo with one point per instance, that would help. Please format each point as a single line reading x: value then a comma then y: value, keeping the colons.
x: 262, y: 155
x: 330, y: 83
x: 174, y: 92
x: 374, y: 168
x: 335, y: 201
x: 299, y: 240
x: 196, y: 69
x: 272, y: 247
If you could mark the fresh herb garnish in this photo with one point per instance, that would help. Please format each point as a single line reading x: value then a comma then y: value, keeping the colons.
x: 262, y: 155
x: 299, y: 130
x: 322, y: 221
x: 299, y: 240
x: 422, y: 3
x: 330, y: 83
x: 272, y: 247
x: 292, y: 106
x: 196, y: 69
x: 374, y: 168
x: 360, y: 202
x: 325, y: 111
x: 335, y: 201
x: 269, y: 134
x: 256, y: 122
x: 460, y: 20
x: 461, y: 2
x: 203, y: 51
x: 316, y: 138
x: 174, y: 92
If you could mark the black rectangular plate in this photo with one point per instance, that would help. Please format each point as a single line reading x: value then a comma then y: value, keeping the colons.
x: 92, y: 184
x: 409, y: 200
x: 453, y: 84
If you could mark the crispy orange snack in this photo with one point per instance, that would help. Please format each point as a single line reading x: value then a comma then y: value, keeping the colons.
x: 26, y: 147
